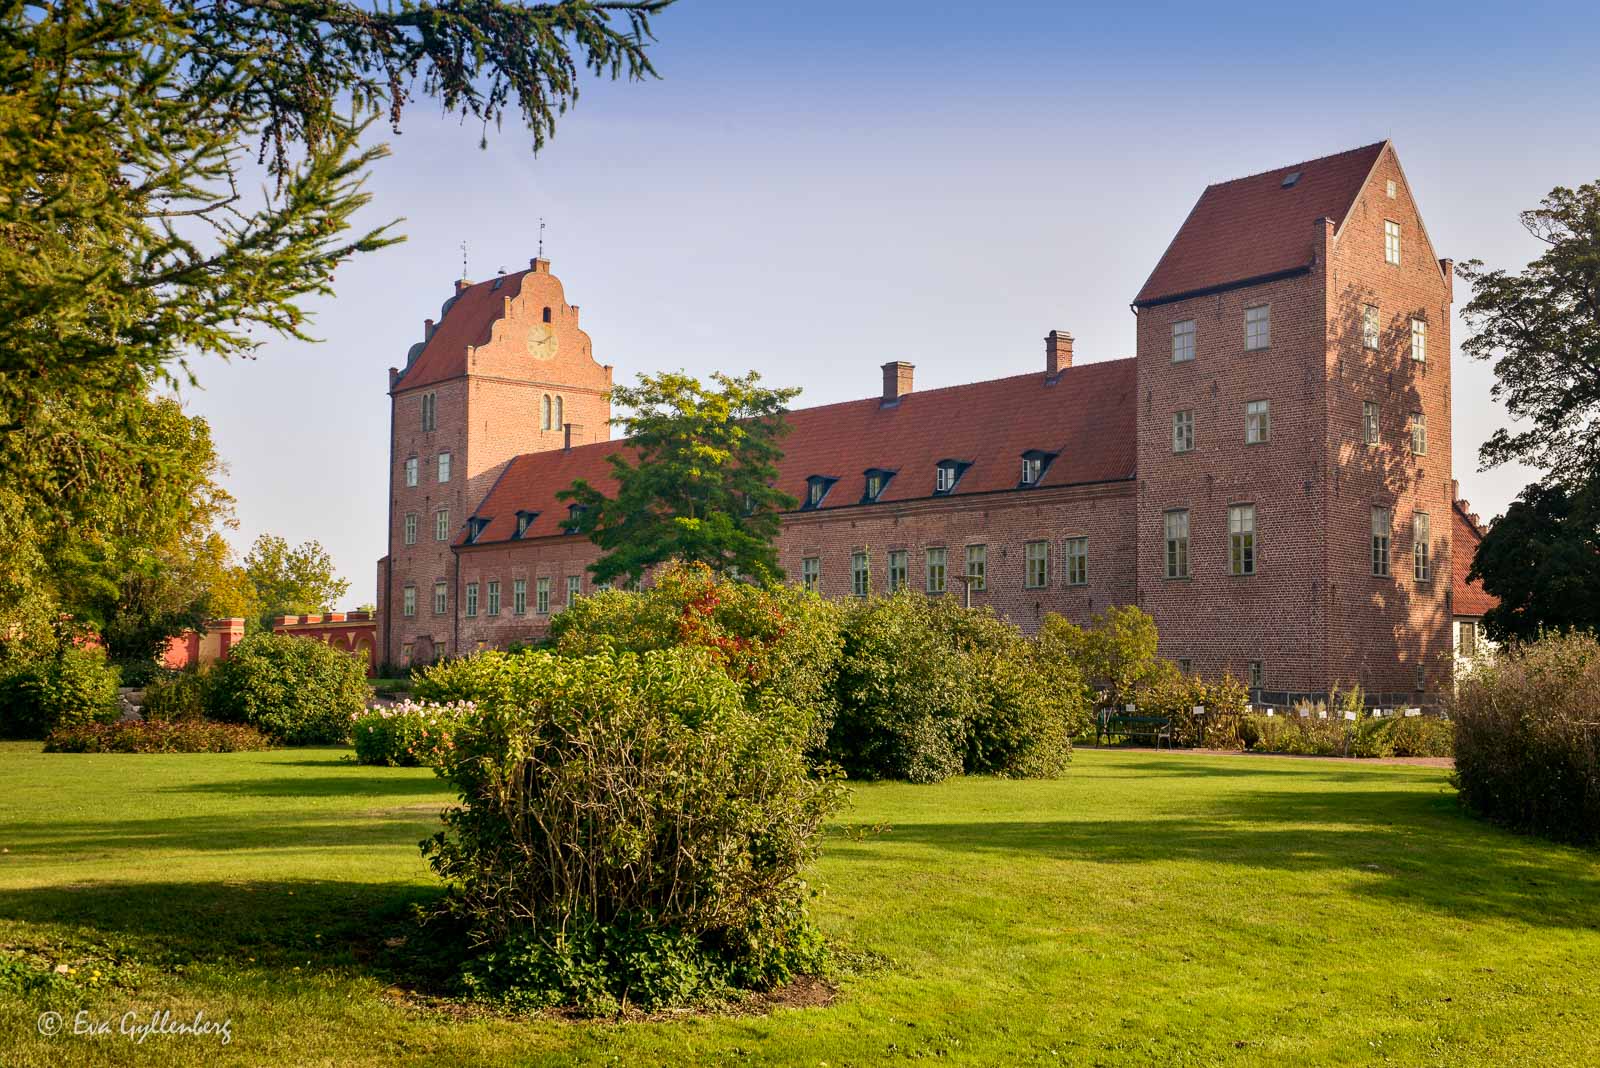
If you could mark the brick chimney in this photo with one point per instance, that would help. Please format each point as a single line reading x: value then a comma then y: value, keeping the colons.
x: 1057, y: 352
x: 574, y: 431
x: 539, y: 265
x: 896, y: 380
x: 462, y: 283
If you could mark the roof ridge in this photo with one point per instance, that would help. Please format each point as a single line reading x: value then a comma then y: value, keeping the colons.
x: 1302, y: 163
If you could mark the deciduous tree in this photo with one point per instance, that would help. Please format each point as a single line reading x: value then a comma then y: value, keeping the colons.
x: 1542, y: 559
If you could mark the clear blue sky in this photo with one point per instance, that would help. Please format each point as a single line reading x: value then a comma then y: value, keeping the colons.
x: 815, y: 188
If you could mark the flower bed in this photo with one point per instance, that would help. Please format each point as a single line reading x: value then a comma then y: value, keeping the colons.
x: 409, y: 734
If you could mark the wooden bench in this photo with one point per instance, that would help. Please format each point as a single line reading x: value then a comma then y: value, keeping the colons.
x: 1114, y: 724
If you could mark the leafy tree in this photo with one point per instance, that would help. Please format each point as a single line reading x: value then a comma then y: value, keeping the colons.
x: 291, y: 581
x: 1541, y: 327
x: 1542, y: 559
x: 695, y: 483
x: 1116, y: 654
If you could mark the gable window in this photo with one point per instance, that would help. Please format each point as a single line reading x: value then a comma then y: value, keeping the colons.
x: 817, y: 487
x: 860, y: 574
x: 1257, y: 422
x: 811, y: 572
x: 411, y: 528
x: 977, y: 567
x: 524, y: 521
x: 441, y: 525
x: 519, y: 597
x: 574, y: 589
x: 1369, y: 423
x: 877, y: 480
x: 547, y: 315
x: 472, y: 599
x: 1369, y: 326
x: 1389, y: 188
x: 948, y: 474
x: 1176, y: 525
x: 441, y: 599
x: 544, y: 412
x: 1380, y: 542
x: 1183, y: 431
x: 1419, y: 340
x: 935, y: 570
x: 411, y: 471
x: 1034, y: 465
x: 1036, y: 565
x: 430, y: 411
x: 1391, y: 241
x: 1242, y: 539
x: 898, y: 569
x: 1421, y: 549
x: 1077, y: 553
x: 541, y: 596
x: 1183, y: 341
x: 558, y: 415
x: 493, y: 607
x: 476, y: 525
x: 408, y: 601
x: 1419, y: 434
x: 444, y: 467
x: 1258, y: 327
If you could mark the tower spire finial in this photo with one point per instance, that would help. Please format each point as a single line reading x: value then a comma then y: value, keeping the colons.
x: 463, y: 261
x: 541, y: 239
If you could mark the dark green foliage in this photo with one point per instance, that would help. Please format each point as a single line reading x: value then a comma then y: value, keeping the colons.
x: 73, y: 687
x: 296, y: 690
x: 632, y: 829
x: 178, y: 696
x: 1528, y: 738
x: 1542, y: 559
x: 1176, y: 695
x: 185, y: 736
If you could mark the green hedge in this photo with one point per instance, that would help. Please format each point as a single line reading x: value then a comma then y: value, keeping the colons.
x: 72, y: 687
x: 187, y: 736
x: 296, y: 690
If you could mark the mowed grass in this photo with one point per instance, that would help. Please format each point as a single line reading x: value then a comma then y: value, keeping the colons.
x: 1145, y: 910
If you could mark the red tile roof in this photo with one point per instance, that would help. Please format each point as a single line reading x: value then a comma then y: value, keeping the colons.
x: 1254, y: 227
x: 468, y: 317
x: 1086, y: 417
x: 1466, y: 598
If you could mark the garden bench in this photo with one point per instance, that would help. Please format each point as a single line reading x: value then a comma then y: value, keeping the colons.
x: 1132, y: 725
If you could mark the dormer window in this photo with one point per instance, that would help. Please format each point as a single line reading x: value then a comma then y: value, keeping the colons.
x: 877, y: 482
x: 1034, y: 465
x: 477, y: 525
x: 817, y: 487
x: 524, y: 521
x: 574, y: 518
x: 948, y: 474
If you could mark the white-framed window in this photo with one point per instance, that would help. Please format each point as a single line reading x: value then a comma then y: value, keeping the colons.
x: 1421, y: 547
x: 1077, y: 557
x: 1369, y: 326
x: 1381, y: 524
x: 1419, y: 340
x: 493, y: 606
x: 1467, y: 637
x: 1183, y: 431
x: 1369, y: 422
x: 574, y: 589
x: 408, y: 601
x: 519, y: 597
x: 937, y: 559
x: 1183, y: 341
x: 811, y: 572
x: 411, y: 471
x: 524, y: 521
x: 816, y: 489
x: 1242, y: 539
x: 472, y: 599
x: 1257, y: 422
x: 860, y: 574
x: 977, y: 567
x: 946, y: 477
x: 545, y: 413
x: 1389, y: 188
x: 430, y: 411
x: 1036, y: 565
x: 411, y: 528
x: 1419, y: 433
x: 1176, y: 524
x: 441, y: 525
x: 541, y: 596
x: 1391, y: 241
x: 1258, y: 327
x: 444, y: 467
x: 898, y: 566
x: 876, y: 481
x: 441, y: 598
x: 1032, y: 469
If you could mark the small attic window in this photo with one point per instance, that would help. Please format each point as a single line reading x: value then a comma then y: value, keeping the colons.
x: 547, y: 315
x: 948, y: 474
x: 475, y: 526
x: 877, y: 481
x: 574, y: 518
x: 1034, y: 464
x: 524, y: 521
x: 1290, y: 179
x: 1391, y: 188
x: 817, y: 487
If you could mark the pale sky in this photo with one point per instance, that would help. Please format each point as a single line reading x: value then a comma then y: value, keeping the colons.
x: 813, y: 189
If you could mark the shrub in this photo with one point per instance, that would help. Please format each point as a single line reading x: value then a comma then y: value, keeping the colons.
x: 1116, y: 653
x: 186, y: 736
x: 1422, y: 736
x: 298, y: 691
x: 1527, y: 740
x: 1176, y: 696
x: 70, y: 687
x: 632, y: 829
x: 409, y: 734
x: 180, y: 696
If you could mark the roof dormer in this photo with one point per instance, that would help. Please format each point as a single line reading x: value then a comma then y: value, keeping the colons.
x: 817, y: 487
x: 524, y: 521
x: 947, y: 474
x: 1035, y: 462
x: 876, y: 481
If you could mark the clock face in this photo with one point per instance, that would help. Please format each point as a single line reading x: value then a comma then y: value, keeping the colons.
x: 542, y: 342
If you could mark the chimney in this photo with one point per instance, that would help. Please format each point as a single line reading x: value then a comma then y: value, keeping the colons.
x: 1455, y: 490
x: 427, y: 330
x: 539, y: 265
x: 462, y: 283
x: 573, y: 432
x: 1057, y: 352
x: 896, y: 380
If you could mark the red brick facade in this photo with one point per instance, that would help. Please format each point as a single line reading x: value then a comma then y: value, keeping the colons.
x: 1310, y: 614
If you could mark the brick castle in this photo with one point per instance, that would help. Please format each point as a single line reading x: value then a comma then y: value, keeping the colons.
x: 1269, y: 477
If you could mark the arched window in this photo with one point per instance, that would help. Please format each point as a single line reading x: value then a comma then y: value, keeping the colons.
x: 544, y: 413
x: 547, y: 315
x: 560, y: 422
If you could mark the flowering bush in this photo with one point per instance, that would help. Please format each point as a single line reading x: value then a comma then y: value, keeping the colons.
x: 407, y: 735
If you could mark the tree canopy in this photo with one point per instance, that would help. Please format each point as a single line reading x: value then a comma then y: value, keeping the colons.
x: 1542, y: 560
x: 694, y: 482
x: 291, y: 581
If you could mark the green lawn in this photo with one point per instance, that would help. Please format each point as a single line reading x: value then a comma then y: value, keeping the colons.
x: 1146, y: 909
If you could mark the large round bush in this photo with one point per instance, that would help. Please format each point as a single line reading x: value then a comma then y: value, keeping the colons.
x: 69, y: 688
x: 632, y: 831
x: 296, y: 690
